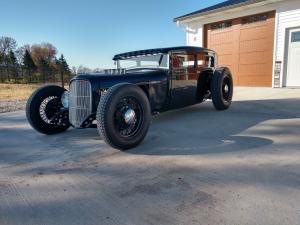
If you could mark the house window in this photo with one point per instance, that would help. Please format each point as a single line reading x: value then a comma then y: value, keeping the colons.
x: 222, y: 25
x: 296, y: 36
x: 254, y: 19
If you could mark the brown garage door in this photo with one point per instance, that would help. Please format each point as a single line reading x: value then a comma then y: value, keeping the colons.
x: 245, y: 45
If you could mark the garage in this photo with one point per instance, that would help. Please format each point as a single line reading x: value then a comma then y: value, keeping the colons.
x: 245, y: 45
x: 257, y: 39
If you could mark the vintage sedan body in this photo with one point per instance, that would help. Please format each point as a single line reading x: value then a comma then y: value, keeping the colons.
x: 121, y: 100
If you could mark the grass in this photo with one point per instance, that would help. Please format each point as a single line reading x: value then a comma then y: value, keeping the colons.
x: 10, y: 92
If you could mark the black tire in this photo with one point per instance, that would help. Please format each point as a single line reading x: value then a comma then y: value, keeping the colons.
x: 33, y: 107
x: 222, y: 88
x: 111, y: 111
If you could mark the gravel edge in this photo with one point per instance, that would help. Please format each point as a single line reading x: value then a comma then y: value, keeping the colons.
x: 12, y: 105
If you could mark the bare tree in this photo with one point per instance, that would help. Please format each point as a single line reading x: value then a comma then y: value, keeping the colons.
x: 74, y: 70
x: 19, y: 53
x: 45, y: 51
x: 7, y: 45
x: 83, y: 69
x: 43, y: 56
x: 1, y: 67
x: 32, y: 63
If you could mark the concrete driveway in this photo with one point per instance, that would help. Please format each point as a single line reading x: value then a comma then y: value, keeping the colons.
x: 196, y: 166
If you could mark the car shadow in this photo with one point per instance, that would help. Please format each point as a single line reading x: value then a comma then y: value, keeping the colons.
x: 202, y: 130
x: 195, y: 130
x: 198, y: 129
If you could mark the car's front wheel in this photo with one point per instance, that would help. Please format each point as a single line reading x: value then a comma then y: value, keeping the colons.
x: 45, y: 112
x: 123, y: 116
x: 221, y: 88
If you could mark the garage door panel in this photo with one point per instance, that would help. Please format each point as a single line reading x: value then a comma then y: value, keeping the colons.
x: 254, y: 57
x: 258, y: 81
x: 255, y: 45
x: 253, y: 33
x: 225, y: 59
x: 220, y: 38
x: 246, y: 47
x: 225, y: 49
x: 254, y: 69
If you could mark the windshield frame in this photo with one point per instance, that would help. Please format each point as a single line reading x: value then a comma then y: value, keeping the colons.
x: 118, y: 64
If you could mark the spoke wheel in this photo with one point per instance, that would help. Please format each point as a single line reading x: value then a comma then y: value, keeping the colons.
x: 128, y: 116
x: 49, y: 107
x: 123, y: 116
x: 42, y: 106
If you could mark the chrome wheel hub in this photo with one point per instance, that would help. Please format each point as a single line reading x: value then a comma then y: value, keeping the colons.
x: 226, y: 88
x: 129, y: 116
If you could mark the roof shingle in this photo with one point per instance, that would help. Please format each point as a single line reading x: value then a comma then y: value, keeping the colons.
x: 221, y: 5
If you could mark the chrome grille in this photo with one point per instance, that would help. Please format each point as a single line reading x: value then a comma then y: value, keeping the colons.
x: 80, y: 102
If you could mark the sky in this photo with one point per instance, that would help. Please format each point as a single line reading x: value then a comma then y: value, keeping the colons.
x: 91, y: 32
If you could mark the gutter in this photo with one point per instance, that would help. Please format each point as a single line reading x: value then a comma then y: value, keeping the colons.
x: 250, y: 2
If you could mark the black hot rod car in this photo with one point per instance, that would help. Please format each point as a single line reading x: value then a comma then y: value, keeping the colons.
x: 119, y: 102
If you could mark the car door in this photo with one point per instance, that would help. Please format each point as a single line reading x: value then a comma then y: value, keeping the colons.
x: 184, y: 78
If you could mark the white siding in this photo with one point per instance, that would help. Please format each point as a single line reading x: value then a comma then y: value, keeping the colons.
x: 288, y: 16
x: 194, y: 35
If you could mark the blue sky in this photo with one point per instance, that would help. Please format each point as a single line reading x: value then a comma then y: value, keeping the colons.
x: 90, y: 32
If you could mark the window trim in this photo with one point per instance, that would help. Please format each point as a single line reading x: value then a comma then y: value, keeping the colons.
x: 254, y: 19
x: 223, y: 25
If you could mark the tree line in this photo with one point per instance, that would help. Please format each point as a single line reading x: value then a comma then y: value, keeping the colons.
x: 37, y: 63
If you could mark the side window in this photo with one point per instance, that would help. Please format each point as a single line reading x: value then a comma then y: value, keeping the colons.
x: 181, y: 61
x: 184, y: 67
x: 201, y: 60
x: 204, y: 61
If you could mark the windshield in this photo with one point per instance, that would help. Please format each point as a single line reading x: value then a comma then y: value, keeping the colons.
x: 151, y: 61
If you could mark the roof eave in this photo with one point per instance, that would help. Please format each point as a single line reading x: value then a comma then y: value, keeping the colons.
x: 188, y: 17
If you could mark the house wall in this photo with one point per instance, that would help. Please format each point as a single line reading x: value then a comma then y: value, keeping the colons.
x: 195, y: 38
x: 195, y: 27
x: 287, y: 16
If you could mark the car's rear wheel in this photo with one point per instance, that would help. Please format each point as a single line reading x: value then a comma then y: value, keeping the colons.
x: 203, y: 87
x: 44, y: 110
x: 123, y: 116
x: 222, y: 88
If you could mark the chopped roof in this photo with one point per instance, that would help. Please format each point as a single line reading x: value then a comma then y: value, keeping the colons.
x: 217, y: 7
x: 160, y: 51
